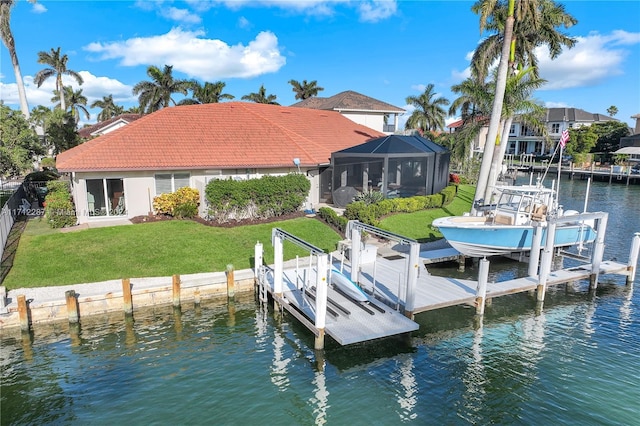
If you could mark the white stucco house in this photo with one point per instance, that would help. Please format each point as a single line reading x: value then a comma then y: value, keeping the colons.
x: 117, y: 174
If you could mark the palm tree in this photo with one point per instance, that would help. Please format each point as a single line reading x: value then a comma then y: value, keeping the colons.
x: 305, y: 90
x: 210, y: 93
x: 38, y: 118
x: 537, y: 22
x: 9, y: 42
x: 77, y: 102
x: 132, y: 110
x: 429, y: 113
x: 109, y: 108
x: 261, y: 97
x: 57, y: 68
x: 517, y: 101
x: 156, y: 94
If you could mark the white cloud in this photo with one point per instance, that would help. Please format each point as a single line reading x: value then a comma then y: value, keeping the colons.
x: 199, y: 57
x: 418, y: 87
x: 180, y: 15
x: 550, y: 104
x: 377, y: 10
x: 593, y: 59
x: 38, y: 8
x: 94, y: 88
x: 244, y: 23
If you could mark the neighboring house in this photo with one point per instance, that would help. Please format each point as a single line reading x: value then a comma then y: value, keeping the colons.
x: 630, y: 145
x: 524, y: 140
x: 106, y: 126
x: 119, y: 173
x: 359, y: 108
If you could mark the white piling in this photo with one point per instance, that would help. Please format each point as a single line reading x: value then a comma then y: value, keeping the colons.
x: 278, y: 267
x: 356, y: 241
x: 412, y: 278
x: 481, y: 290
x: 3, y: 300
x: 547, y: 260
x: 633, y: 258
x: 534, y: 254
x: 321, y: 301
x: 598, y: 252
x: 258, y: 254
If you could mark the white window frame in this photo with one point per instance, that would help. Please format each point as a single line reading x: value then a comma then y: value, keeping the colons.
x: 173, y: 181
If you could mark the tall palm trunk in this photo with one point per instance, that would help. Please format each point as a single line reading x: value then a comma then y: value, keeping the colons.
x: 498, y: 156
x: 7, y: 38
x: 60, y: 88
x: 496, y: 111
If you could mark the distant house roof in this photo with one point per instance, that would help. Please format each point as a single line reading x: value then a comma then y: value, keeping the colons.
x: 348, y: 101
x: 395, y: 144
x: 575, y: 115
x: 222, y: 135
x: 101, y: 126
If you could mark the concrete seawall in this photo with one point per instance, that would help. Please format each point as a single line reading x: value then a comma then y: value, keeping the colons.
x: 49, y: 304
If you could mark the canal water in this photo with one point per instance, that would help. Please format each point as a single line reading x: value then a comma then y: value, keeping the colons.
x: 575, y: 361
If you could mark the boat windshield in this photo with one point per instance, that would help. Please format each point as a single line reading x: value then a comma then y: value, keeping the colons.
x: 519, y: 206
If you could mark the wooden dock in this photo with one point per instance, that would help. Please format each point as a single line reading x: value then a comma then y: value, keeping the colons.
x: 348, y: 321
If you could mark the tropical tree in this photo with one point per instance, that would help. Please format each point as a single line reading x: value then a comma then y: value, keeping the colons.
x: 517, y: 101
x: 38, y: 119
x: 61, y: 131
x: 261, y: 97
x: 612, y: 110
x: 305, y: 90
x: 429, y: 113
x: 19, y: 143
x: 474, y: 105
x: 10, y: 43
x: 76, y: 100
x: 133, y: 110
x: 57, y: 68
x: 209, y: 93
x: 609, y: 134
x: 537, y: 25
x: 156, y: 94
x: 108, y: 108
x: 581, y: 141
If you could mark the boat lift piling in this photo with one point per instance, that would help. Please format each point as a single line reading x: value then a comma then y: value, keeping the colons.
x: 633, y: 258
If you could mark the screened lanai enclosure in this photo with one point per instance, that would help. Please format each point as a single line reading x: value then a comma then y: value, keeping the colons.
x: 397, y: 166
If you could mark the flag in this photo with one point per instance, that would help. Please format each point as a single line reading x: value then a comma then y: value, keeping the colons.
x: 564, y: 138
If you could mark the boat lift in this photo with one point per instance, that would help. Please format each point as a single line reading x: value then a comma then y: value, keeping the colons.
x: 406, y: 296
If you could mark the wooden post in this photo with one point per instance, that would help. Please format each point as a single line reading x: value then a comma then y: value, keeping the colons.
x: 610, y: 174
x: 196, y: 297
x: 356, y: 242
x: 176, y: 290
x: 126, y: 296
x: 278, y: 266
x: 633, y: 257
x: 230, y: 282
x: 481, y: 290
x: 257, y: 259
x: 23, y: 313
x: 412, y: 279
x: 72, y: 306
x: 461, y: 262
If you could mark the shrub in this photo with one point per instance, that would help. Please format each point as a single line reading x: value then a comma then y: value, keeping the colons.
x: 183, y: 203
x: 331, y: 217
x: 59, y: 209
x: 42, y: 176
x: 454, y: 178
x: 269, y: 196
x: 369, y: 197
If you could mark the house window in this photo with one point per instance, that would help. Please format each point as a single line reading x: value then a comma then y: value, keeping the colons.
x: 170, y: 182
x: 555, y: 128
x: 512, y: 130
x: 105, y: 197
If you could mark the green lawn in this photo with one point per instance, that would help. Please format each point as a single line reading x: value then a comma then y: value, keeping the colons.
x: 418, y: 225
x: 47, y: 257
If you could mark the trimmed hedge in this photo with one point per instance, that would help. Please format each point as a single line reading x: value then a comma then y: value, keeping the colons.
x: 263, y: 198
x: 183, y: 203
x: 331, y: 217
x: 59, y: 209
x: 372, y: 213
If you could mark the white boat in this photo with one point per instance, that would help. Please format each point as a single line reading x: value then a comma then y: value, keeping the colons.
x: 508, y: 226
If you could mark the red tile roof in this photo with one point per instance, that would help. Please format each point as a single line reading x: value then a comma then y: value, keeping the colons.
x: 218, y: 136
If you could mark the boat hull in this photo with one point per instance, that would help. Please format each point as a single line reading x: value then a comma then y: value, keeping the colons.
x: 478, y: 239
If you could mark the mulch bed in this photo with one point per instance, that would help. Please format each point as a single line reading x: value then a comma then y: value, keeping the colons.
x: 233, y: 224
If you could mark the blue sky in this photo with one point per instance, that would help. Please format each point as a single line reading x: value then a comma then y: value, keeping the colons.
x: 384, y: 49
